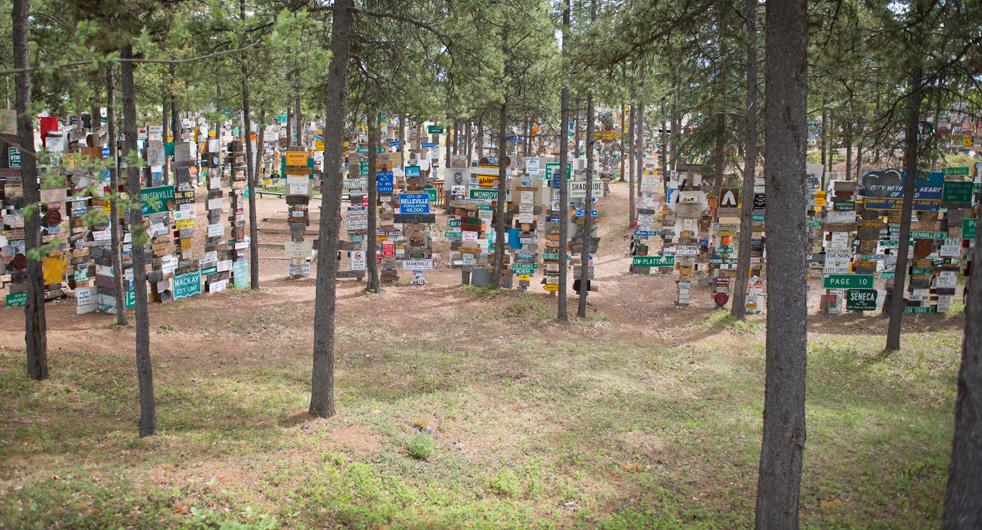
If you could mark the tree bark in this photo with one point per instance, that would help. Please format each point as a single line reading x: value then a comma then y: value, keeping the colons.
x: 587, y: 209
x: 371, y: 242
x: 114, y: 217
x: 144, y: 368
x: 298, y: 114
x: 962, y: 509
x: 622, y: 176
x: 632, y: 201
x: 289, y: 126
x: 576, y: 129
x: 910, y: 169
x: 322, y: 376
x: 849, y: 152
x: 639, y: 144
x: 35, y: 331
x: 663, y: 169
x: 563, y: 313
x: 783, y: 442
x: 402, y: 137
x: 480, y: 137
x: 499, y: 210
x: 720, y: 160
x: 825, y: 137
x: 738, y: 308
x: 253, y: 221
x: 251, y: 168
x: 165, y: 171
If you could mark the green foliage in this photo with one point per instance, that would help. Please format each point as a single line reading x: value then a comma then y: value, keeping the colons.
x: 420, y: 445
x: 215, y: 520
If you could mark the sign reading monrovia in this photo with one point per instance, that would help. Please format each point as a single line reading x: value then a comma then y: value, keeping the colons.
x: 484, y: 194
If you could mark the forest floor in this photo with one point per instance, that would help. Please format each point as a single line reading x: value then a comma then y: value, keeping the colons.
x: 641, y: 415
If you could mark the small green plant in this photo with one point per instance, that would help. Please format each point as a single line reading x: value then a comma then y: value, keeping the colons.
x: 211, y: 519
x: 420, y: 446
x: 505, y: 483
x: 484, y: 291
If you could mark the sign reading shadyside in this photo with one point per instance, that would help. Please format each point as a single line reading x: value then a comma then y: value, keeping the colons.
x: 157, y: 200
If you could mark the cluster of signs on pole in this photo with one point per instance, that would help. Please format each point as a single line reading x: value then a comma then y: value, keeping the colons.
x: 76, y: 227
x: 855, y: 228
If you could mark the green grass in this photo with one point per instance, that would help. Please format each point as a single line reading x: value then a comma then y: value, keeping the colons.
x: 527, y: 432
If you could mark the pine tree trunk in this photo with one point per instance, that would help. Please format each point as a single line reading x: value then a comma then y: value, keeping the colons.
x: 251, y: 168
x: 289, y: 126
x: 587, y: 208
x: 371, y: 242
x: 719, y: 162
x: 632, y: 201
x: 563, y: 313
x: 114, y: 217
x: 825, y: 138
x: 639, y: 143
x: 499, y: 211
x: 144, y: 368
x: 623, y: 177
x: 663, y: 168
x: 253, y: 221
x: 165, y: 171
x: 738, y: 308
x: 783, y: 441
x: 563, y: 200
x: 322, y: 376
x: 402, y: 137
x: 903, y: 248
x: 849, y: 153
x: 962, y: 509
x: 35, y: 332
x: 576, y: 129
x: 299, y: 115
x: 480, y: 137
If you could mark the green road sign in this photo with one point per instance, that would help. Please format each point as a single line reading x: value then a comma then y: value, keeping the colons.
x: 848, y: 281
x: 919, y: 234
x: 653, y: 261
x: 484, y: 194
x: 957, y: 191
x: 157, y: 200
x: 969, y: 228
x: 861, y: 300
x: 433, y: 129
x: 17, y: 299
